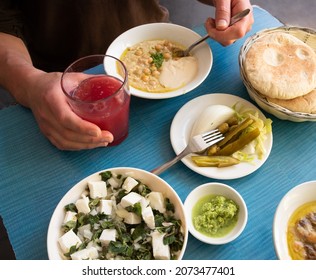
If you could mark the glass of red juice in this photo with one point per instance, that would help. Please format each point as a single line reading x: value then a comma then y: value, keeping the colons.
x: 97, y: 90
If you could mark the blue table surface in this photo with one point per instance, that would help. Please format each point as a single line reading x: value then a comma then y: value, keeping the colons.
x: 34, y: 175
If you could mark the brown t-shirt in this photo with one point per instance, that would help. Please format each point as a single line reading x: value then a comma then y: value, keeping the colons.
x: 57, y: 32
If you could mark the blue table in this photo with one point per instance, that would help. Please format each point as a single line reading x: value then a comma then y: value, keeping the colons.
x: 34, y: 175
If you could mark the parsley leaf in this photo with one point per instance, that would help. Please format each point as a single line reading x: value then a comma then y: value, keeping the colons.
x: 157, y: 59
x: 105, y: 175
x: 136, y: 208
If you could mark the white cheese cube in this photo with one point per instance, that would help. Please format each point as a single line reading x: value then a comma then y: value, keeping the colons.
x: 106, y: 206
x: 107, y: 236
x: 160, y: 251
x: 97, y: 189
x: 157, y: 201
x: 148, y: 217
x: 121, y: 211
x: 114, y: 183
x: 83, y: 228
x: 129, y: 217
x: 132, y: 218
x: 82, y: 205
x: 68, y: 240
x: 70, y: 216
x: 130, y: 199
x: 129, y: 184
x: 94, y: 212
x: 87, y: 234
x: 85, y: 254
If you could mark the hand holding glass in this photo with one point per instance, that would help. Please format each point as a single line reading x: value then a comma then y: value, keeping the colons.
x: 97, y: 93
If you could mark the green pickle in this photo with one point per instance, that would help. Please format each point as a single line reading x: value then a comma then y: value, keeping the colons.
x: 238, y: 144
x: 215, y: 215
x: 215, y: 161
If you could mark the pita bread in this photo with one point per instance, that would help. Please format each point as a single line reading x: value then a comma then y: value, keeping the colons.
x: 303, y: 104
x: 281, y: 66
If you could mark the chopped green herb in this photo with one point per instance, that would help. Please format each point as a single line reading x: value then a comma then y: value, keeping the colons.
x: 143, y: 190
x: 93, y: 203
x: 119, y: 248
x: 169, y: 205
x: 69, y: 225
x: 136, y: 208
x: 71, y: 207
x: 157, y: 59
x: 106, y: 175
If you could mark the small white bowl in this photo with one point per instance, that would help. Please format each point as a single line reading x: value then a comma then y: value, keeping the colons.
x: 165, y: 31
x: 216, y: 189
x: 293, y: 199
x: 154, y: 182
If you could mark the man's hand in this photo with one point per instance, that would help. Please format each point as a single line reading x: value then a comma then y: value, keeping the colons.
x: 219, y: 29
x: 57, y: 121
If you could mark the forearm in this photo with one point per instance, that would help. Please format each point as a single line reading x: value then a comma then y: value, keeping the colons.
x: 16, y: 68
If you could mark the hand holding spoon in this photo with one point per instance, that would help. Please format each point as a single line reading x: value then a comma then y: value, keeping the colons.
x: 186, y: 52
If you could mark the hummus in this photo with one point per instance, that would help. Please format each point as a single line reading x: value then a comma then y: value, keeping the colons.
x: 152, y: 66
x: 177, y: 73
x: 301, y: 232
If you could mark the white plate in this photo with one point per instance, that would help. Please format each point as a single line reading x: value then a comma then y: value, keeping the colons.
x: 296, y: 197
x: 164, y: 31
x: 182, y: 125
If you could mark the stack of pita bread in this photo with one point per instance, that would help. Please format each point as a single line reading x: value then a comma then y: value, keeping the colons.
x: 282, y: 68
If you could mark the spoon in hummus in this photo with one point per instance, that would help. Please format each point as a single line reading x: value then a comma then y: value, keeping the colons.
x: 186, y: 52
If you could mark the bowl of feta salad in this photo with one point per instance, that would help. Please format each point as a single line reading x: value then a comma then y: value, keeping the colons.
x: 120, y: 213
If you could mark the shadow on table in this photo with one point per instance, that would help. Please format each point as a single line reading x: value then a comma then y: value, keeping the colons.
x: 6, y: 251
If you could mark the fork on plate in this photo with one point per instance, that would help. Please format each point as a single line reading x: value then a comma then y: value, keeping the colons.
x: 197, y: 144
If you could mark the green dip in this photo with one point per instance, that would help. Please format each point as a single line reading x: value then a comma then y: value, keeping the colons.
x: 215, y: 215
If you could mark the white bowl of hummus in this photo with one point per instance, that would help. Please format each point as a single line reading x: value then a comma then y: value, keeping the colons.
x: 294, y: 224
x: 155, y: 72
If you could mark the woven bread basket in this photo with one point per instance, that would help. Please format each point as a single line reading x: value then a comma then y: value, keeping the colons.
x: 306, y: 35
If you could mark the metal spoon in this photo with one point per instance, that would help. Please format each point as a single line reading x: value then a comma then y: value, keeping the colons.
x: 234, y: 19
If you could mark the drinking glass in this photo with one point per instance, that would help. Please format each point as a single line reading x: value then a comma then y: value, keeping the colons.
x: 97, y: 90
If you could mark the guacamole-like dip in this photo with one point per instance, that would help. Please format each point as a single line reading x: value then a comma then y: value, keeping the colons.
x: 215, y: 215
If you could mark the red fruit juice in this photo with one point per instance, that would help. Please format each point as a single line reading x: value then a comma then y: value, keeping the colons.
x: 105, y: 103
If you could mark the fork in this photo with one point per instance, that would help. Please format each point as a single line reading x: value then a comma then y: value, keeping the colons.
x: 197, y: 144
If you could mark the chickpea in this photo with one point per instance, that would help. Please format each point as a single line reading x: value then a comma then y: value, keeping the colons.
x: 146, y: 71
x: 152, y: 82
x: 145, y: 78
x: 137, y: 72
x: 139, y: 52
x: 156, y: 73
x: 145, y: 61
x: 150, y: 60
x: 153, y: 68
x: 167, y: 55
x: 158, y: 47
x: 168, y: 44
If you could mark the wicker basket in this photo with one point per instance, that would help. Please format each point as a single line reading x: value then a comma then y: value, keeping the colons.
x: 306, y: 35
